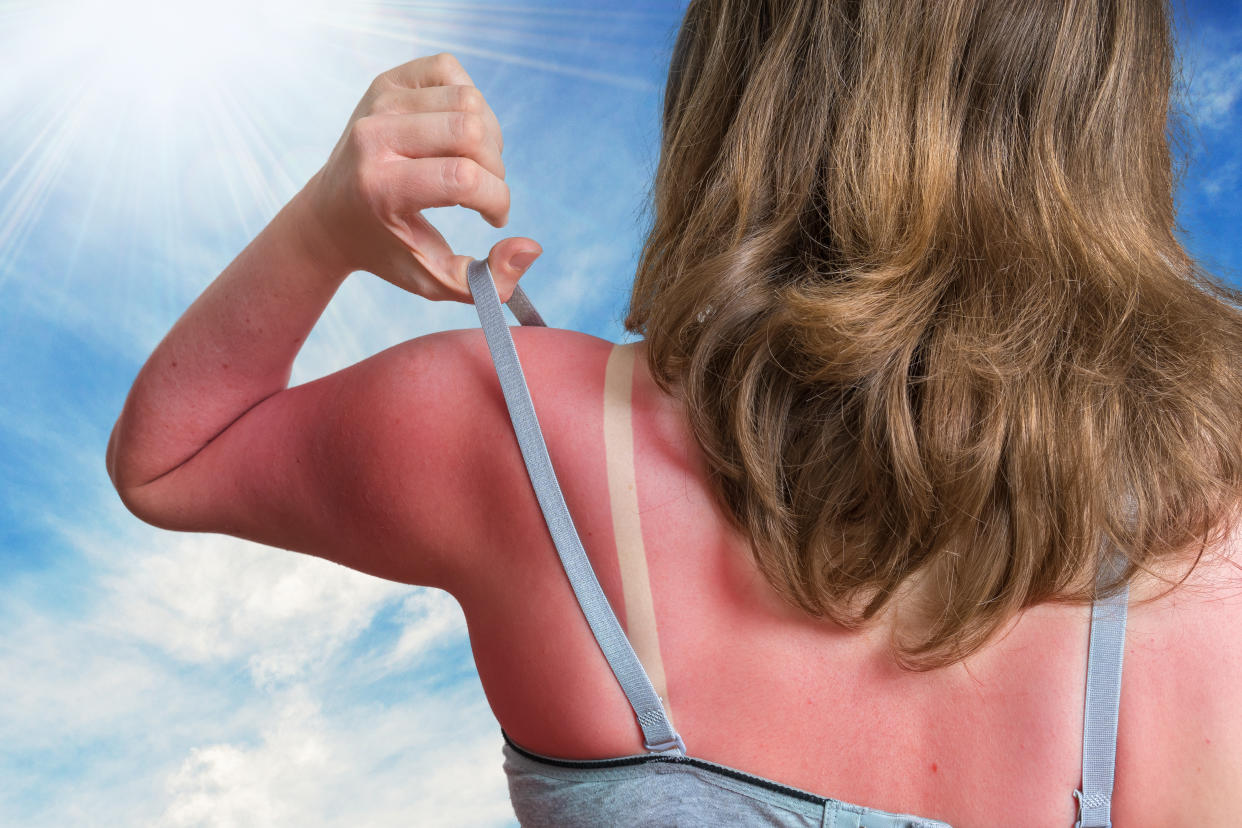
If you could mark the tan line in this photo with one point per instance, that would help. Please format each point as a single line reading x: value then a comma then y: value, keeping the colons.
x: 640, y: 621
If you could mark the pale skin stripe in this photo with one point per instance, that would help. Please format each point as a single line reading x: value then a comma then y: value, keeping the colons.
x: 640, y: 619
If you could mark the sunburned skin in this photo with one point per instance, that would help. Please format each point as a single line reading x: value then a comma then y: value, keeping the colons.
x: 417, y: 478
x: 758, y: 686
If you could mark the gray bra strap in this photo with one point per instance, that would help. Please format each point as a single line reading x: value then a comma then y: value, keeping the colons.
x: 658, y: 732
x: 1099, y: 732
x: 523, y: 311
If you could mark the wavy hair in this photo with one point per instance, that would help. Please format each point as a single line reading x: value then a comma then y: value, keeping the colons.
x: 914, y: 270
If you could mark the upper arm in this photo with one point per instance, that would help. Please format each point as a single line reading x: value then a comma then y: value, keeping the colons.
x: 379, y: 467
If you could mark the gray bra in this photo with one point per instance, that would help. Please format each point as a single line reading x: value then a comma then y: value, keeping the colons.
x: 666, y: 785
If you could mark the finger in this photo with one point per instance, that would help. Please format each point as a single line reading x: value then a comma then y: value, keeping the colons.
x: 508, y: 260
x: 406, y: 185
x: 433, y: 70
x: 398, y: 100
x: 434, y: 277
x: 436, y: 135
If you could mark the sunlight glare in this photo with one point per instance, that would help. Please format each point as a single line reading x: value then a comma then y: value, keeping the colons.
x: 149, y: 52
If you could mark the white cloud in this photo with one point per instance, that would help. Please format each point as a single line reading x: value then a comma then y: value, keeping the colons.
x: 60, y: 676
x: 367, y: 766
x: 1215, y: 89
x: 1223, y: 181
x: 201, y: 680
x: 428, y: 616
x: 204, y: 598
x: 151, y: 745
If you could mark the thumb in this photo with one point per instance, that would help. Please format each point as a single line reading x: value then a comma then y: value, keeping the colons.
x: 508, y: 260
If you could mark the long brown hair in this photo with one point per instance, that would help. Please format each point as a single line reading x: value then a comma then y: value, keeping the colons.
x: 914, y: 270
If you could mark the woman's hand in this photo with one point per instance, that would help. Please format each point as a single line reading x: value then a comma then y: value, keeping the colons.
x: 422, y: 136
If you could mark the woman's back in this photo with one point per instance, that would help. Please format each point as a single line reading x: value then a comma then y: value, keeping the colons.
x: 756, y: 685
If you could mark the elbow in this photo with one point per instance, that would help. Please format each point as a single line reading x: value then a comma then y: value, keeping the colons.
x: 112, y: 462
x: 135, y: 498
x: 110, y: 456
x: 134, y: 502
x: 152, y: 506
x: 125, y: 465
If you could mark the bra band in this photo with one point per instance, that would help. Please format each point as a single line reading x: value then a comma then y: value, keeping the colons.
x: 658, y: 733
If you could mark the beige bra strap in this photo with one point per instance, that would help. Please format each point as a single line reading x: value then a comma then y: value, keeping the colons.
x: 640, y: 621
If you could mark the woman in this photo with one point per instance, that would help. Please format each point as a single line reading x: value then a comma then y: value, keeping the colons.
x: 924, y: 370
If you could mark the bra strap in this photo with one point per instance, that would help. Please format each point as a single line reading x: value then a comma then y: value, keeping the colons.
x: 1099, y: 732
x: 523, y: 311
x: 658, y: 733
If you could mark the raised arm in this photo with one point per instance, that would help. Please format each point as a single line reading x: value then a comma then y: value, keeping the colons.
x: 422, y: 136
x: 232, y: 348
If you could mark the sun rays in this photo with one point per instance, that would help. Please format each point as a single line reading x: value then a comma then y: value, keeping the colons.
x: 155, y: 122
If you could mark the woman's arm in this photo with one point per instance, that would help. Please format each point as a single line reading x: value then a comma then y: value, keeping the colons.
x: 231, y: 349
x: 211, y: 439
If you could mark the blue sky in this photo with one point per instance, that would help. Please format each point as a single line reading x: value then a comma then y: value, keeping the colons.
x: 177, y: 679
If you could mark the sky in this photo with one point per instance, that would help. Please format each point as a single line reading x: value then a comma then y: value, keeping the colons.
x: 170, y: 679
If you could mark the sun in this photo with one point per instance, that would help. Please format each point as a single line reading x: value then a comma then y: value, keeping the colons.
x: 152, y: 132
x: 148, y: 57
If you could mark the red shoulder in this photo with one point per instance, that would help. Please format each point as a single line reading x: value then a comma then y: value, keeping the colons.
x: 395, y: 466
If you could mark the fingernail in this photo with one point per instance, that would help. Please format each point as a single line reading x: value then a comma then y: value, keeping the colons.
x: 521, y: 261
